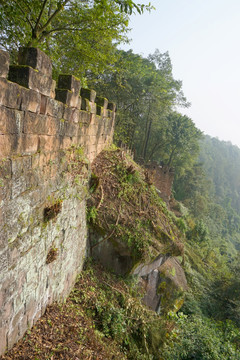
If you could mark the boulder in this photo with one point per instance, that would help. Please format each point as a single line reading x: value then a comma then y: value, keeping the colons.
x: 164, y: 283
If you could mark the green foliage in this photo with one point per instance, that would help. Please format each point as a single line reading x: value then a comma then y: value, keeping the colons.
x: 130, y: 212
x: 92, y: 214
x: 182, y: 146
x: 145, y: 92
x: 87, y: 31
x: 118, y: 315
x: 202, y: 339
x: 199, y: 233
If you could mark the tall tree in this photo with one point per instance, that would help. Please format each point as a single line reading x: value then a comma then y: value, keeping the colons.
x: 145, y: 92
x: 182, y: 145
x: 87, y: 31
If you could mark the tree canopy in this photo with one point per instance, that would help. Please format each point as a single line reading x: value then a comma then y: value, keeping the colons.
x: 147, y: 94
x: 82, y: 33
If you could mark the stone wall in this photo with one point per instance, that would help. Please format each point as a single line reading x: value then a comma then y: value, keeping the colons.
x: 48, y: 138
x: 162, y: 177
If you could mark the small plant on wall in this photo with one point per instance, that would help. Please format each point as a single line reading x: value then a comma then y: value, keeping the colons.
x: 50, y: 212
x: 52, y: 255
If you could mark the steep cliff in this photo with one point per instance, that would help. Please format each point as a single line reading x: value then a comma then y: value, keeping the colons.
x: 132, y: 232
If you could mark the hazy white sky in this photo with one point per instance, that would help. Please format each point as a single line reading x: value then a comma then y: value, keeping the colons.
x: 203, y: 40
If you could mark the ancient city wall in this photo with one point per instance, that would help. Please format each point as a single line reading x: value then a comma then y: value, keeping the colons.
x: 162, y: 177
x: 48, y: 138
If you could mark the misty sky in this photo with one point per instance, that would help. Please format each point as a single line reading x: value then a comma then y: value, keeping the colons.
x: 203, y: 40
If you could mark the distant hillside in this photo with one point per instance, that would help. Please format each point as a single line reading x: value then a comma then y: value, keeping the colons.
x: 221, y: 162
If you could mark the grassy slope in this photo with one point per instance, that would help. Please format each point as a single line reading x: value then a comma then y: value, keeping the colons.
x: 103, y: 318
x: 125, y: 206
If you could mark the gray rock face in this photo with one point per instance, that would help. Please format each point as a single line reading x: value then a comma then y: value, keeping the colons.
x: 164, y: 282
x: 144, y: 269
x: 112, y: 255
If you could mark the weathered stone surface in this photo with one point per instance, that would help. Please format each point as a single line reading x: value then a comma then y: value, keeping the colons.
x: 38, y: 139
x: 69, y: 82
x: 53, y: 88
x: 174, y: 283
x: 3, y: 339
x: 40, y: 124
x: 68, y: 97
x: 10, y: 94
x: 11, y: 121
x: 101, y: 101
x: 31, y: 79
x: 115, y: 256
x: 54, y: 108
x: 4, y: 63
x: 88, y: 106
x: 164, y: 282
x: 88, y: 94
x: 36, y: 59
x: 162, y: 177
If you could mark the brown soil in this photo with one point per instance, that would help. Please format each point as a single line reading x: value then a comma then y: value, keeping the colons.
x: 65, y: 332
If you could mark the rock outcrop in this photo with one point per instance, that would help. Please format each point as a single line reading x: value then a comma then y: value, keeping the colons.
x: 132, y: 232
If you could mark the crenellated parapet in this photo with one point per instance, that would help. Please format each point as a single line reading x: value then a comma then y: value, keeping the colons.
x: 49, y: 134
x: 29, y: 87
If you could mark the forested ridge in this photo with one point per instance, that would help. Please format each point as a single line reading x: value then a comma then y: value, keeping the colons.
x: 82, y: 37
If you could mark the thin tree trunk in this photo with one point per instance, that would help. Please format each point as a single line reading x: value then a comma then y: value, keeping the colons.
x: 148, y: 129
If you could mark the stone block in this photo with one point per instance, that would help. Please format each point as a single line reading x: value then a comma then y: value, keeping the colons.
x: 48, y: 143
x: 88, y: 106
x: 112, y: 106
x: 101, y: 101
x: 5, y: 193
x: 36, y: 59
x: 4, y: 262
x: 30, y: 100
x: 35, y: 124
x: 3, y: 339
x: 17, y: 97
x: 52, y: 126
x: 69, y: 82
x: 11, y: 121
x: 4, y: 63
x: 71, y: 114
x: 88, y: 94
x: 31, y: 79
x: 12, y: 337
x: 7, y: 145
x: 31, y: 306
x: 66, y: 142
x: 40, y: 124
x: 28, y: 144
x: 23, y: 325
x: 5, y: 169
x: 54, y: 108
x: 43, y: 104
x: 10, y: 94
x: 70, y: 129
x: 20, y: 166
x: 68, y: 97
x: 53, y: 88
x: 92, y: 130
x: 85, y: 118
